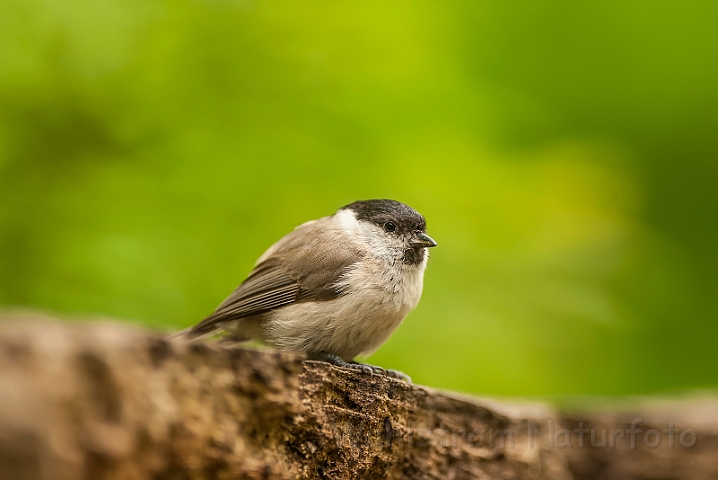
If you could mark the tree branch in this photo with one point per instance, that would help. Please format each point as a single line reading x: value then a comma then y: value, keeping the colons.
x: 104, y: 400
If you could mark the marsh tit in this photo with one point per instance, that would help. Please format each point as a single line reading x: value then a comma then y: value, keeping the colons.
x: 333, y: 288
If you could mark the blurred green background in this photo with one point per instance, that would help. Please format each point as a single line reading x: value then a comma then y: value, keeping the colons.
x: 564, y: 153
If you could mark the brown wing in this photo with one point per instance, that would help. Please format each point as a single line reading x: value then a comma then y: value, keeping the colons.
x: 304, y: 265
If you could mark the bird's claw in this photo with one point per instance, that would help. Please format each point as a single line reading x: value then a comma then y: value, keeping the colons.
x: 398, y: 375
x: 362, y: 367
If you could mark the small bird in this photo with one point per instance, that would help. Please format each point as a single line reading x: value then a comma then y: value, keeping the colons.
x: 333, y: 288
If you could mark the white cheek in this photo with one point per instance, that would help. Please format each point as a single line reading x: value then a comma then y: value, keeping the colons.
x: 347, y: 220
x: 382, y: 245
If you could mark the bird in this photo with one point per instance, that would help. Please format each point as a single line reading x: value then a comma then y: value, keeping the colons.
x: 332, y: 289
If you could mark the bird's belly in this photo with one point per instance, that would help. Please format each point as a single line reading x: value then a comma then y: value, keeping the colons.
x: 357, y: 322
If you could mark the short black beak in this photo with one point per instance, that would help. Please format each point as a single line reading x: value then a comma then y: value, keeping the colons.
x: 422, y: 240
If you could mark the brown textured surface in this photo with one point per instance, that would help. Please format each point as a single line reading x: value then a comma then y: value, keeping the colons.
x: 106, y: 401
x: 103, y: 400
x: 655, y: 456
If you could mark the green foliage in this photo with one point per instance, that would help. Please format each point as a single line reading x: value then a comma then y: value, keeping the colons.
x: 563, y: 153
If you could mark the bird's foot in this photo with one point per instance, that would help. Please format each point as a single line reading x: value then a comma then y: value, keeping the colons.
x: 390, y: 372
x: 361, y: 367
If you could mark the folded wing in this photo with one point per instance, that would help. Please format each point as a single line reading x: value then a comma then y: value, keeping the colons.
x: 305, y: 265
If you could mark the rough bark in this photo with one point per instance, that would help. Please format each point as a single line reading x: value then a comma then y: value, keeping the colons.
x: 106, y: 401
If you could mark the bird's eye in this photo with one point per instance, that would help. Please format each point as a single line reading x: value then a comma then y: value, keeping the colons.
x: 389, y: 226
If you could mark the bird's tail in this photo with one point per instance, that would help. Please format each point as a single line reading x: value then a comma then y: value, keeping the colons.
x: 190, y: 334
x: 181, y: 335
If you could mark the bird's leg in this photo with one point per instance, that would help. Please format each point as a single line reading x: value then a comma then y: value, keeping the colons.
x: 362, y: 367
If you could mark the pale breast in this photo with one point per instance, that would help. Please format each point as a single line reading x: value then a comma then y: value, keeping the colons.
x: 358, y: 321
